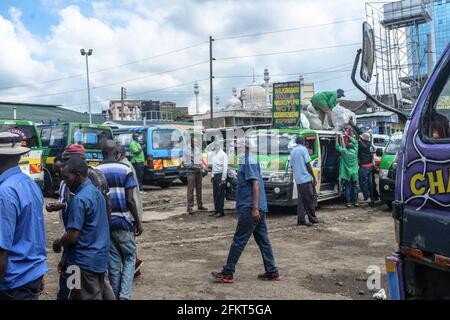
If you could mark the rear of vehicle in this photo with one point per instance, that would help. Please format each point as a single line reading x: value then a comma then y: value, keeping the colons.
x: 388, y: 166
x: 91, y: 137
x: 379, y: 142
x: 31, y: 162
x: 163, y: 154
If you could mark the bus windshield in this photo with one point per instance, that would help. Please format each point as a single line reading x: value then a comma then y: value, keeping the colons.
x: 393, y: 145
x: 27, y: 133
x: 90, y: 137
x: 273, y: 143
x: 167, y: 139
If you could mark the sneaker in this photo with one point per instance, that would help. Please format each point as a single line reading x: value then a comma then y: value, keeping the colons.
x: 304, y: 223
x: 348, y: 205
x: 222, y: 277
x: 190, y: 211
x: 269, y: 276
x: 212, y: 214
x: 202, y: 208
x: 219, y: 215
x: 356, y: 204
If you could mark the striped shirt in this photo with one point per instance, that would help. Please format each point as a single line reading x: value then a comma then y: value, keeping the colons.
x: 119, y: 178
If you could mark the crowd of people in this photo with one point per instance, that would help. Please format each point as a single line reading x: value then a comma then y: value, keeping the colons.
x: 101, y: 211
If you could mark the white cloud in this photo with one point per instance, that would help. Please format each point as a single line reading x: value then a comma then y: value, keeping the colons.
x: 120, y: 32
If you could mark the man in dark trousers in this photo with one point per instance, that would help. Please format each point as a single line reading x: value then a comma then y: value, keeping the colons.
x: 218, y: 179
x: 252, y: 208
x: 86, y: 241
x: 192, y: 162
x: 300, y: 162
x: 138, y: 158
x: 22, y: 229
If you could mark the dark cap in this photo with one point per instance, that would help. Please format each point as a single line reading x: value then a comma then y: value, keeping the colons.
x: 340, y: 92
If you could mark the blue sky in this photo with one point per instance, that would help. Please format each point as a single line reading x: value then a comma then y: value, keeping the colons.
x: 39, y: 15
x: 44, y: 38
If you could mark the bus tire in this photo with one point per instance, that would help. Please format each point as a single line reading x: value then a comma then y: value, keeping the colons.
x: 184, y: 180
x: 165, y: 184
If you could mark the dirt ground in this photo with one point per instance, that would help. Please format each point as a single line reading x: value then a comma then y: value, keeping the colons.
x: 328, y: 261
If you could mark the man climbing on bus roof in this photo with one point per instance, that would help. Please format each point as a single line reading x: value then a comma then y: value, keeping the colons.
x: 324, y: 102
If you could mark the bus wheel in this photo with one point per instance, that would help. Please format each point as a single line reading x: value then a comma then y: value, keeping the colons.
x: 184, y: 180
x: 165, y: 184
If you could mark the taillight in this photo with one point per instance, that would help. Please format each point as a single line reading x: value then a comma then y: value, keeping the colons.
x: 416, y: 253
x: 441, y: 260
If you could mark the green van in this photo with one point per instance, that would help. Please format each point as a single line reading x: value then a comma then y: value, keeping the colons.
x: 56, y: 136
x: 30, y: 163
x: 274, y: 146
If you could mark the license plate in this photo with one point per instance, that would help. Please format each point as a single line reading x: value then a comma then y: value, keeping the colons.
x: 171, y: 163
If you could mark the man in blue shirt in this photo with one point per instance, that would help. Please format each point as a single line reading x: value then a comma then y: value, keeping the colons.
x: 22, y: 228
x: 252, y: 208
x: 86, y: 240
x: 125, y: 222
x: 300, y: 162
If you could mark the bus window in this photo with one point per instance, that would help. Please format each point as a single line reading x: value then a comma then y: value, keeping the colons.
x: 166, y: 139
x: 439, y: 118
x: 57, y: 137
x: 27, y: 133
x: 90, y: 137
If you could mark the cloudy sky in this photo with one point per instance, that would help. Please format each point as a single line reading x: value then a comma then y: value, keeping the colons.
x: 157, y: 49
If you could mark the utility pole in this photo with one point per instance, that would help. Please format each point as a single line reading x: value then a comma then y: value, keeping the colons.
x: 196, y: 92
x: 123, y: 96
x: 87, y: 54
x: 211, y: 106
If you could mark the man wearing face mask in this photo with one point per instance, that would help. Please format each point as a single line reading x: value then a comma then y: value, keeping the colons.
x: 86, y: 240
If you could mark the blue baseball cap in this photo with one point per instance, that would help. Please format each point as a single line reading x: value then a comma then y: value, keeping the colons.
x: 341, y: 92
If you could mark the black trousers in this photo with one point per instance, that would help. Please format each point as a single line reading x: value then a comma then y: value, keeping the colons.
x: 29, y: 291
x: 306, y: 202
x: 92, y: 286
x: 218, y: 193
x: 139, y: 167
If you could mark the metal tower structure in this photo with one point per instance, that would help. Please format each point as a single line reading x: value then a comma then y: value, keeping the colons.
x: 397, y: 43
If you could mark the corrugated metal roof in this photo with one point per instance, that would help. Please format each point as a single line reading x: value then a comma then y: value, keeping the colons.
x: 45, y: 113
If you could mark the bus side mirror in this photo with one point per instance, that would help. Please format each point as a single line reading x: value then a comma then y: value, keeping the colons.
x: 379, y: 152
x: 368, y: 53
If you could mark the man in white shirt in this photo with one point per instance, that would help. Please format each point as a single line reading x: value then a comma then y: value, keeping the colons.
x: 219, y: 176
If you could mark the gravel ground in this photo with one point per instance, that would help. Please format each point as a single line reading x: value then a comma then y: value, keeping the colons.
x: 327, y: 261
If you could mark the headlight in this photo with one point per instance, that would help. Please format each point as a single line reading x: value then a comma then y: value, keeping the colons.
x: 281, y: 177
x: 384, y: 173
x: 232, y: 174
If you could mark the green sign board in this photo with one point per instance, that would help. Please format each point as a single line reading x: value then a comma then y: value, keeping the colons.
x: 286, y: 104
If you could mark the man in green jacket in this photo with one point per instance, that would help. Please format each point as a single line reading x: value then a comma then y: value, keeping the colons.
x: 348, y: 170
x: 138, y: 158
x: 324, y: 102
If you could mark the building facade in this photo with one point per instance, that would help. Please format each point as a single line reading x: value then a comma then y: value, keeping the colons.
x: 436, y: 32
x: 131, y: 111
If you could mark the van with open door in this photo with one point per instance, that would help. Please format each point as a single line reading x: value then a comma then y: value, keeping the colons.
x: 274, y: 147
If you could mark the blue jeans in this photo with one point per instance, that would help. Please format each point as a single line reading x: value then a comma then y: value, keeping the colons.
x: 122, y: 259
x: 244, y: 229
x: 366, y: 182
x: 350, y: 191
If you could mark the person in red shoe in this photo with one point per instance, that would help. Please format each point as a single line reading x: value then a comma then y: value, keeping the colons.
x: 252, y: 208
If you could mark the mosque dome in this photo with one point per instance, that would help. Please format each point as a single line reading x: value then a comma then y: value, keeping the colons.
x: 255, y: 97
x: 233, y: 103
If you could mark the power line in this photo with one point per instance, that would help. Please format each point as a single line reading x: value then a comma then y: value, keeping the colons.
x: 287, y: 52
x: 115, y: 83
x: 104, y: 69
x: 287, y: 30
